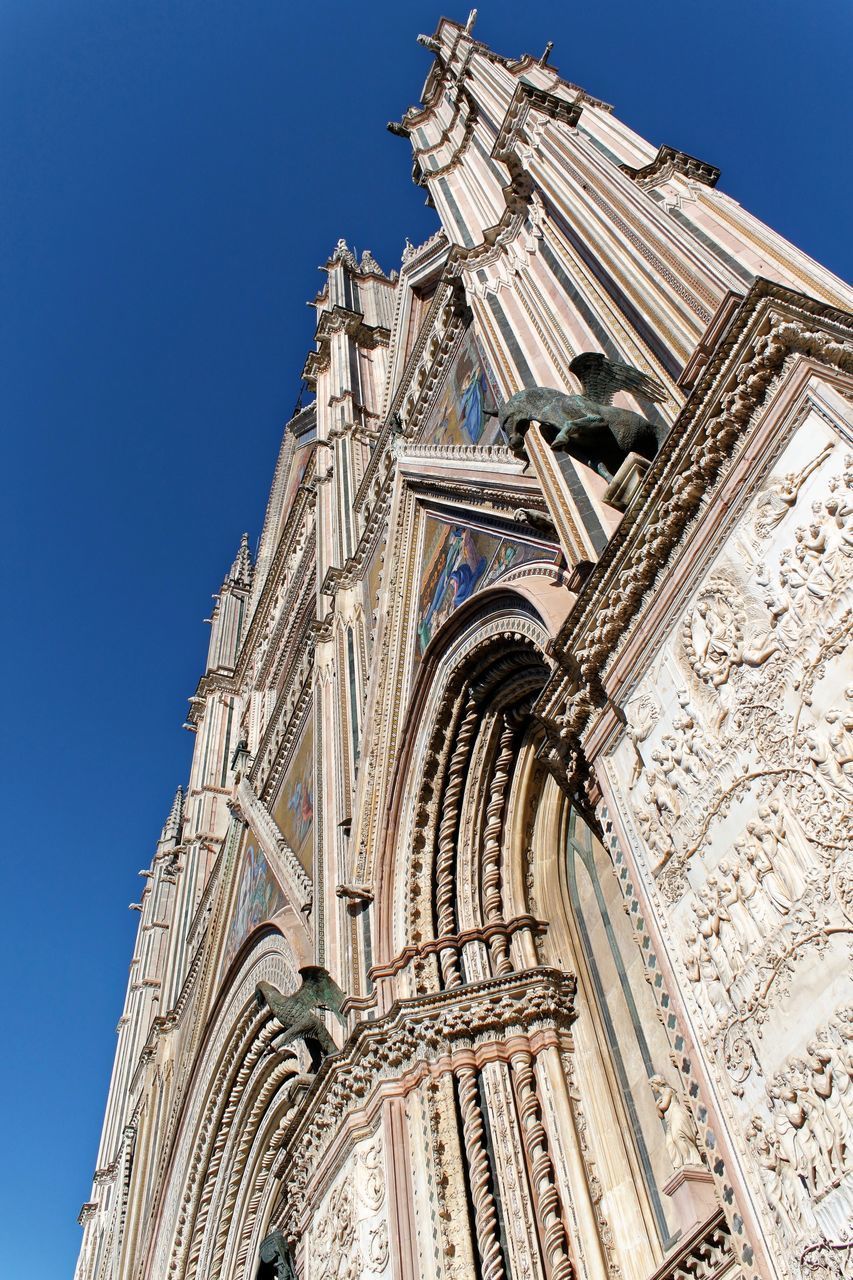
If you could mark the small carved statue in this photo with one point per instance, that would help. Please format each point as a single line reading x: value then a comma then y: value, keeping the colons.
x: 680, y: 1130
x: 588, y: 426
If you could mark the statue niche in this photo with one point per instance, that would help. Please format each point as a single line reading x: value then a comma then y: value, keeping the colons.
x: 588, y: 426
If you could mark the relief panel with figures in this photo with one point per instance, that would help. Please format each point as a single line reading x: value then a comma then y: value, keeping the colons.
x: 734, y: 779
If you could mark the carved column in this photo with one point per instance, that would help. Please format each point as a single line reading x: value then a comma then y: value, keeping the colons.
x: 485, y: 1211
x: 541, y: 1168
x: 446, y: 859
x: 492, y: 893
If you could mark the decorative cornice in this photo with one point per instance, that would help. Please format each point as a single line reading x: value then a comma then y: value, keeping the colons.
x: 528, y: 98
x: 422, y: 176
x: 418, y: 1036
x: 668, y: 161
x: 501, y: 928
x: 336, y: 320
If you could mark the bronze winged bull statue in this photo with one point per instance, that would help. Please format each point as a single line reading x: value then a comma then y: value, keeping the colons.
x: 588, y: 426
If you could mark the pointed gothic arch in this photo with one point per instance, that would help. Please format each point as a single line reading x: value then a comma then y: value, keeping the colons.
x: 480, y: 881
x: 470, y: 712
x: 241, y: 1090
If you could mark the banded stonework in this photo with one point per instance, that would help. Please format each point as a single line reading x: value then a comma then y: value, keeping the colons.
x: 542, y: 773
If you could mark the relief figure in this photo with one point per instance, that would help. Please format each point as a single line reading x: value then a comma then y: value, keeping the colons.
x: 680, y: 1131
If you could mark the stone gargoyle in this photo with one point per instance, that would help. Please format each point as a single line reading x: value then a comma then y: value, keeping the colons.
x: 295, y: 1012
x: 588, y: 426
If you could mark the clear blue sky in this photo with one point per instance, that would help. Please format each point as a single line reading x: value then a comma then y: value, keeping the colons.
x: 171, y: 174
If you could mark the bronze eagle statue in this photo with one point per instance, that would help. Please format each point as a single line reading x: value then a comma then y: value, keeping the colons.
x: 587, y: 425
x: 295, y: 1012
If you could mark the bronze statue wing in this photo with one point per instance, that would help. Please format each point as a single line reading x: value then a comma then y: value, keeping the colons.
x: 601, y: 378
x: 319, y: 990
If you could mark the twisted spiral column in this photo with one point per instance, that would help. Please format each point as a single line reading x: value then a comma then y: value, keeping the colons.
x: 492, y: 895
x: 445, y: 865
x: 479, y: 1173
x: 547, y: 1197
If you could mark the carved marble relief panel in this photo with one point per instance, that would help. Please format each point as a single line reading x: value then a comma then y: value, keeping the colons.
x: 349, y: 1236
x: 734, y: 780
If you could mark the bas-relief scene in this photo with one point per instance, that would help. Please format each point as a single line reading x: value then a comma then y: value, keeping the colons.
x: 735, y: 781
x: 458, y: 560
x: 458, y: 416
x: 259, y: 898
x: 294, y: 807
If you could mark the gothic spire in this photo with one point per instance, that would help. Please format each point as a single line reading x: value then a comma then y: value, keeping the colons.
x: 241, y: 570
x: 172, y: 827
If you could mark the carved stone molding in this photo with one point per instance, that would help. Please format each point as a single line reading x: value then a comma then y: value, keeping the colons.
x: 528, y: 98
x: 668, y: 161
x: 418, y: 1037
x: 297, y: 881
x: 706, y: 1254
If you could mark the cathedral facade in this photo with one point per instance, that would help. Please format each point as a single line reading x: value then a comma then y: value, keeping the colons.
x: 503, y: 927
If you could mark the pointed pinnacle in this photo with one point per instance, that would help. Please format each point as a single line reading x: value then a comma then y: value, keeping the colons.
x: 172, y: 828
x: 241, y: 569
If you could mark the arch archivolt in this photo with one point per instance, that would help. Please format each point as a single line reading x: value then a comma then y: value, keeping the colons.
x: 464, y: 711
x: 477, y: 890
x: 240, y: 1092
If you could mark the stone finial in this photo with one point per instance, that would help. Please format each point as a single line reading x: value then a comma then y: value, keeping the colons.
x: 241, y: 570
x: 174, y: 822
x: 343, y: 253
x: 369, y: 265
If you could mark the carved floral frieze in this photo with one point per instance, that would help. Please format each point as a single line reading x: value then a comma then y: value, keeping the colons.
x: 349, y: 1239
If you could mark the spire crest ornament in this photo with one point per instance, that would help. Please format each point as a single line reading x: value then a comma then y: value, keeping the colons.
x: 369, y: 265
x: 343, y: 253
